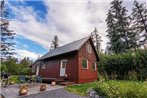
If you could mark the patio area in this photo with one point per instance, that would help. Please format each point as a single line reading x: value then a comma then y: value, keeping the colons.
x: 12, y: 90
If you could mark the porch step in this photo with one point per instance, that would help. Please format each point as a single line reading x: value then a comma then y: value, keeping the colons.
x: 59, y: 80
x: 66, y: 83
x: 53, y: 79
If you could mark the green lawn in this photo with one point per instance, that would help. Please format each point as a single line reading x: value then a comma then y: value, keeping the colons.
x: 14, y: 78
x: 113, y: 89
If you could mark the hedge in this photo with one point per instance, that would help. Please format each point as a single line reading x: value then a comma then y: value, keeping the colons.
x: 130, y: 66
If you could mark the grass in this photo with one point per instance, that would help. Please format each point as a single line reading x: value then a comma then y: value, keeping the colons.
x: 113, y: 89
x: 81, y: 88
x: 14, y: 78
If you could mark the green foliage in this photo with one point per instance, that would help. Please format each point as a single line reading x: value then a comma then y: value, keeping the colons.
x: 3, y: 68
x: 118, y: 28
x: 26, y: 62
x: 14, y: 78
x: 113, y: 89
x: 131, y: 65
x: 122, y: 89
x: 81, y: 88
x: 139, y: 21
x: 12, y: 66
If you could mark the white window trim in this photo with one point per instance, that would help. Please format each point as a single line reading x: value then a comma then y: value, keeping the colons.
x: 95, y: 66
x: 43, y: 66
x: 61, y: 61
x: 88, y: 48
x: 64, y: 60
x: 82, y: 63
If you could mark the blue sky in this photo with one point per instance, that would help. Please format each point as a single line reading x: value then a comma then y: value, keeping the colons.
x: 21, y: 41
x: 36, y: 22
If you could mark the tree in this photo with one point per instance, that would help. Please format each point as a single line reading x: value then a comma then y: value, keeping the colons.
x: 11, y: 64
x: 139, y: 22
x: 118, y: 28
x: 26, y: 62
x: 96, y: 38
x: 7, y: 37
x: 55, y: 43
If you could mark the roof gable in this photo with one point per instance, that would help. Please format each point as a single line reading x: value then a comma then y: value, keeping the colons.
x: 73, y: 46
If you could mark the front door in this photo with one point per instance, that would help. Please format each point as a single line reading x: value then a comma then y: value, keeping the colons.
x: 63, y: 67
x: 37, y: 70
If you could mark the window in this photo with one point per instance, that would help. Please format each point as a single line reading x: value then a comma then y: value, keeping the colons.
x: 89, y: 48
x: 94, y: 66
x: 43, y: 66
x: 64, y: 64
x: 84, y: 64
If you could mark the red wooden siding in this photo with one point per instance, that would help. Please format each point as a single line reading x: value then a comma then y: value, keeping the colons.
x: 74, y: 69
x: 87, y: 75
x: 53, y: 68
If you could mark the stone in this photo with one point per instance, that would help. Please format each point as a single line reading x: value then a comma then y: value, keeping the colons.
x: 91, y: 93
x: 97, y: 96
x: 53, y: 83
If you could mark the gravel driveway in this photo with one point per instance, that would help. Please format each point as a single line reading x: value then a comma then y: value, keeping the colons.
x: 59, y: 93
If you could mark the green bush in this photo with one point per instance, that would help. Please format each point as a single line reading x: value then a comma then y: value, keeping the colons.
x: 113, y: 89
x: 131, y: 65
x: 122, y: 89
x: 13, y: 67
x: 14, y: 79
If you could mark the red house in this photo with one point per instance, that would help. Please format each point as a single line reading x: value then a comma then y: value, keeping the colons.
x: 76, y: 61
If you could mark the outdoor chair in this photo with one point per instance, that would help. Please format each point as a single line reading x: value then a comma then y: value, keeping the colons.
x: 38, y: 79
x: 22, y: 79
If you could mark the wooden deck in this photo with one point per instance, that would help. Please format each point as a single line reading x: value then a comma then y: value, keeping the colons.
x: 54, y: 79
x: 67, y: 83
x: 60, y: 81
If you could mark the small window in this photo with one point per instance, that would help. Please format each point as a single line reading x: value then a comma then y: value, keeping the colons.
x: 89, y: 48
x: 84, y: 64
x: 94, y: 66
x: 63, y: 64
x: 43, y: 66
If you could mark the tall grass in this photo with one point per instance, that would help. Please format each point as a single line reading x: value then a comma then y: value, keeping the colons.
x: 122, y: 89
x: 113, y: 89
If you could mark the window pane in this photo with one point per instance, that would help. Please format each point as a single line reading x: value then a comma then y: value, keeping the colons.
x: 64, y: 64
x: 88, y: 48
x: 84, y: 63
x: 94, y: 66
x: 44, y: 66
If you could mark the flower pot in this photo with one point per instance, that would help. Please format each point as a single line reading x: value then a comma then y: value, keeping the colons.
x: 23, y: 90
x: 53, y: 83
x: 42, y: 87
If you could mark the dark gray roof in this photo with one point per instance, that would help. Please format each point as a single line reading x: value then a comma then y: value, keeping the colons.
x: 73, y: 46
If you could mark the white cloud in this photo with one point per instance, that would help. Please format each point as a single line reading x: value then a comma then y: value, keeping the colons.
x: 70, y: 21
x: 67, y: 19
x: 20, y: 54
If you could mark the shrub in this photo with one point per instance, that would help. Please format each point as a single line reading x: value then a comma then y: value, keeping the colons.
x: 130, y: 65
x: 122, y: 89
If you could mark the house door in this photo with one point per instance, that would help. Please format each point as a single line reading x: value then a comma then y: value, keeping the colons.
x: 37, y: 70
x: 63, y: 67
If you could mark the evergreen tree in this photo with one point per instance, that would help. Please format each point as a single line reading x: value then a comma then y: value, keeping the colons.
x: 96, y: 38
x: 139, y: 22
x: 26, y: 62
x: 55, y: 43
x: 118, y: 28
x: 7, y: 37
